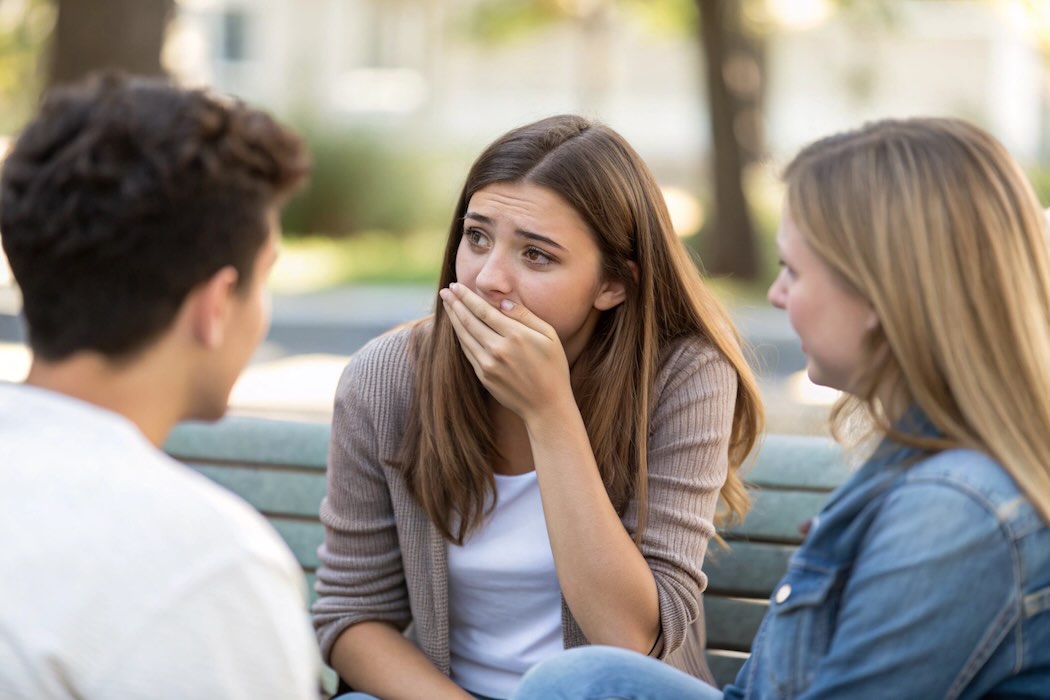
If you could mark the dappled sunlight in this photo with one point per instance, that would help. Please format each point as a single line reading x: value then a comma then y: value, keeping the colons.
x: 802, y: 390
x: 305, y: 268
x: 14, y: 362
x: 799, y: 14
x: 687, y: 216
x: 300, y: 385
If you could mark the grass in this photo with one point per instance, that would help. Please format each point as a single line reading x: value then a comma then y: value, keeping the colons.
x: 312, y: 263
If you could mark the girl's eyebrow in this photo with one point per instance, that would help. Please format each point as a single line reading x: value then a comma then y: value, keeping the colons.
x: 537, y: 237
x: 478, y: 217
x: 520, y: 232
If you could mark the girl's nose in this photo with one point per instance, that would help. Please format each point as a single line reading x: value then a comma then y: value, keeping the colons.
x: 494, y: 277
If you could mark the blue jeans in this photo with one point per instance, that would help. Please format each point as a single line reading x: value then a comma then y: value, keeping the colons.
x: 604, y: 673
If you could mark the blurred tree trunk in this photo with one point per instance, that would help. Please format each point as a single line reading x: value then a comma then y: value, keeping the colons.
x: 733, y: 78
x: 96, y: 34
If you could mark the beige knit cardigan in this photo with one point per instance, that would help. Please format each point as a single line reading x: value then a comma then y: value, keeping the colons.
x: 384, y: 560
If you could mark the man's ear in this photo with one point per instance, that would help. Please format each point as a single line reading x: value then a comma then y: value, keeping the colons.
x: 614, y: 292
x: 210, y: 305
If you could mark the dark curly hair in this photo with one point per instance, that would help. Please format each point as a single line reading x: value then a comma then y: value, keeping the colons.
x: 123, y: 194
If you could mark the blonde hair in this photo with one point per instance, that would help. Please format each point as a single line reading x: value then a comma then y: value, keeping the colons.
x: 936, y: 225
x: 449, y: 443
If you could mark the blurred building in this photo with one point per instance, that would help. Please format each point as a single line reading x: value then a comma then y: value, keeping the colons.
x: 415, y: 63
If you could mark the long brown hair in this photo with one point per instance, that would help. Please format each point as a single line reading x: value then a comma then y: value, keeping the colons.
x: 449, y: 445
x: 936, y: 225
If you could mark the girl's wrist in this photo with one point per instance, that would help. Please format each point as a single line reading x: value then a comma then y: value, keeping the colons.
x: 557, y: 414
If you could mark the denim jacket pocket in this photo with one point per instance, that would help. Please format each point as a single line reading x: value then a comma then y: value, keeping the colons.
x: 799, y: 626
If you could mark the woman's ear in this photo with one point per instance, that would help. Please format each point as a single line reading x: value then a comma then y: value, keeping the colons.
x: 611, y: 295
x: 613, y: 292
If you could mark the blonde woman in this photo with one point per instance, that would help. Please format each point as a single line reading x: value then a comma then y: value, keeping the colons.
x: 537, y: 466
x: 915, y: 271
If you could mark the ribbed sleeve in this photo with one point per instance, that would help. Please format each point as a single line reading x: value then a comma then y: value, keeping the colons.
x: 361, y: 576
x: 688, y: 457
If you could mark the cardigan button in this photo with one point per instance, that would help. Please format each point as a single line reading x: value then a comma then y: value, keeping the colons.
x: 783, y: 593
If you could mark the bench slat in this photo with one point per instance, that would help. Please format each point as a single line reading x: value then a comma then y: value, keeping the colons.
x: 302, y: 537
x: 748, y: 570
x: 278, y: 467
x: 732, y: 622
x: 725, y: 665
x: 246, y: 440
x: 798, y: 462
x: 776, y: 516
x: 271, y: 491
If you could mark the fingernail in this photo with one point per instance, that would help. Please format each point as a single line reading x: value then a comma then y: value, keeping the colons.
x: 444, y: 294
x: 506, y: 304
x: 454, y: 286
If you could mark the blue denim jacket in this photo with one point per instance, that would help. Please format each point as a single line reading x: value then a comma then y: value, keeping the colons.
x: 919, y: 579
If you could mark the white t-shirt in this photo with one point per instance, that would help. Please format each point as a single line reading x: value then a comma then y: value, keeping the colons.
x: 503, y: 593
x: 124, y: 574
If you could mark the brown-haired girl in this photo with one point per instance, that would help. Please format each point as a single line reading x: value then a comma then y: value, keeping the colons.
x: 538, y: 465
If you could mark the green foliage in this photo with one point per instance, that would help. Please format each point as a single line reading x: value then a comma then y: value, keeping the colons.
x: 667, y: 16
x: 1040, y: 179
x: 362, y: 180
x: 25, y: 27
x: 311, y: 263
x: 499, y: 21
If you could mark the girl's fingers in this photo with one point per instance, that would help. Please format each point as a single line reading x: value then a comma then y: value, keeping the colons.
x: 481, y: 309
x: 476, y: 327
x: 505, y: 320
x: 522, y: 315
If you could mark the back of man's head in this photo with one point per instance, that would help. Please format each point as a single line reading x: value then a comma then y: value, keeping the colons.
x: 123, y: 195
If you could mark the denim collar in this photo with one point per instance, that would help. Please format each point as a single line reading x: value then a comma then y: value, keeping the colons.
x: 891, y: 455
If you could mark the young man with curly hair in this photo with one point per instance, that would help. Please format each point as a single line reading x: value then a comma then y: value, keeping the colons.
x: 140, y: 222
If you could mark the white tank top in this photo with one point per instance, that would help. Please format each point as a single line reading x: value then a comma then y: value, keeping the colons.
x: 503, y: 593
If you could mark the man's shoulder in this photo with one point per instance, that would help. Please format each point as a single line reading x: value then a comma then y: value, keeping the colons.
x: 108, y: 490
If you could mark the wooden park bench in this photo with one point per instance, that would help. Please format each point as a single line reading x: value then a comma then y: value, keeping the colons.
x: 279, y: 468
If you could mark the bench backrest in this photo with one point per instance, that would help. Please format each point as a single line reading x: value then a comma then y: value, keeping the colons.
x: 279, y: 468
x: 792, y: 476
x: 276, y: 466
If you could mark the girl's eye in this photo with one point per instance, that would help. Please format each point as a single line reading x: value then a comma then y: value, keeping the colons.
x: 790, y: 272
x: 537, y: 256
x: 475, y: 237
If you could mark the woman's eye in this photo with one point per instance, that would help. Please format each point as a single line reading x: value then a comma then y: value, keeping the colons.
x: 537, y: 256
x: 474, y: 236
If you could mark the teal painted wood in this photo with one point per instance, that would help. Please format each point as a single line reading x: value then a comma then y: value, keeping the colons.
x: 303, y: 538
x: 798, y: 462
x: 748, y: 570
x: 732, y: 622
x: 777, y: 515
x: 270, y: 490
x: 246, y: 440
x: 278, y: 467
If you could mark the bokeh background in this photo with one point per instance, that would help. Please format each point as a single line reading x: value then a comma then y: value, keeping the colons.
x: 396, y: 98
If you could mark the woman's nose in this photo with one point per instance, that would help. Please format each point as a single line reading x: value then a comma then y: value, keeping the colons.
x: 777, y: 294
x: 494, y: 277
